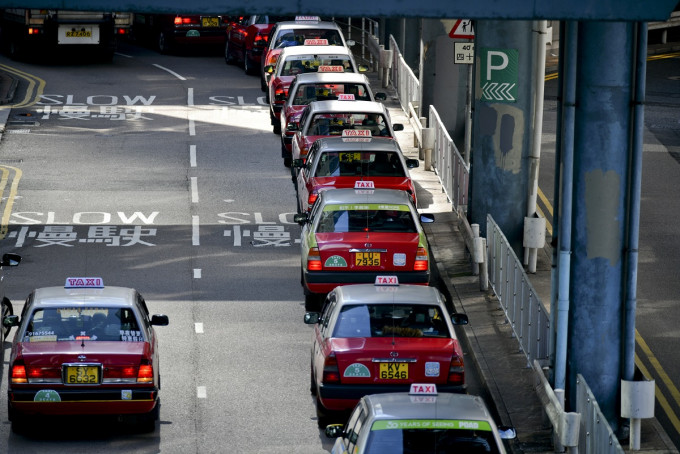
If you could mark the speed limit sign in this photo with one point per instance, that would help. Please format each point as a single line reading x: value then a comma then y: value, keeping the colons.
x: 464, y: 53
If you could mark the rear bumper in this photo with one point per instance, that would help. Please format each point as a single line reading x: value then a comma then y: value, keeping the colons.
x: 325, y: 281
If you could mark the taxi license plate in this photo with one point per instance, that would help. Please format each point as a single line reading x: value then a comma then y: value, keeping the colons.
x: 367, y: 259
x: 210, y: 21
x: 82, y: 375
x: 394, y: 371
x: 79, y: 34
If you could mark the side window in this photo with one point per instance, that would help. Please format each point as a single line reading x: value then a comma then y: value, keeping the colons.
x: 354, y: 425
x: 327, y: 312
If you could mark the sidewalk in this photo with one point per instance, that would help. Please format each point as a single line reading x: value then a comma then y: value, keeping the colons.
x: 488, y: 341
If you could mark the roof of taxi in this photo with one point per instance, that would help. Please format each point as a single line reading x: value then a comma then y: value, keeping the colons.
x: 313, y: 50
x: 346, y: 106
x: 445, y: 406
x: 116, y: 296
x: 396, y: 294
x: 311, y: 78
x: 374, y: 196
x: 306, y: 25
x: 327, y: 144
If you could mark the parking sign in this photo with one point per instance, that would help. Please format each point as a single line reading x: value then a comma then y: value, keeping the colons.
x: 498, y: 77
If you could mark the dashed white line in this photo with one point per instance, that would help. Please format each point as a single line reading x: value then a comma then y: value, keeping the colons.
x: 170, y: 71
x: 194, y: 189
x: 190, y: 97
x: 201, y: 392
x: 199, y: 328
x: 197, y: 273
x: 192, y: 155
x: 192, y: 127
x: 195, y: 239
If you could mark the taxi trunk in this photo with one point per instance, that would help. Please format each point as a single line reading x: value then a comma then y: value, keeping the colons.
x: 368, y: 251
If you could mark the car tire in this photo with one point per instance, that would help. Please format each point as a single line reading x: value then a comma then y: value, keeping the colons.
x: 322, y: 417
x: 164, y: 45
x: 248, y: 65
x: 147, y: 423
x: 276, y: 127
x: 263, y: 86
x: 18, y: 421
x: 6, y: 310
x: 312, y: 302
x: 228, y: 57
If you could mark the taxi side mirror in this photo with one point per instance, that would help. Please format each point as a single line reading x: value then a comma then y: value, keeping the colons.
x: 301, y: 218
x: 10, y: 321
x: 10, y: 259
x: 292, y: 127
x: 412, y: 163
x: 380, y: 96
x: 363, y: 68
x: 334, y: 430
x: 159, y: 320
x: 312, y: 318
x: 459, y: 319
x: 426, y: 218
x: 398, y: 127
x: 269, y: 69
x: 298, y: 163
x: 350, y: 42
x: 507, y: 432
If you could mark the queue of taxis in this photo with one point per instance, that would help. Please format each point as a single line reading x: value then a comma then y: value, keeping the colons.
x: 247, y: 38
x: 379, y: 338
x: 350, y: 236
x: 314, y: 56
x: 424, y: 420
x: 294, y: 33
x: 84, y: 349
x: 339, y: 118
x: 320, y: 86
x: 353, y: 162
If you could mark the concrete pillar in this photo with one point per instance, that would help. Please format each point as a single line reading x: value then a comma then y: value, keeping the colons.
x: 602, y: 131
x: 503, y: 109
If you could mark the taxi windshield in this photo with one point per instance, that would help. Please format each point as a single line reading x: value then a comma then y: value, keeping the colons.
x: 332, y: 124
x: 83, y: 323
x: 393, y: 320
x: 353, y: 164
x: 323, y: 92
x: 297, y: 37
x: 300, y: 64
x: 367, y: 219
x: 385, y: 440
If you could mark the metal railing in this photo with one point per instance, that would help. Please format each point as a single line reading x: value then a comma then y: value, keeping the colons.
x: 595, y: 434
x: 523, y: 308
x: 365, y: 37
x: 404, y: 81
x: 449, y: 165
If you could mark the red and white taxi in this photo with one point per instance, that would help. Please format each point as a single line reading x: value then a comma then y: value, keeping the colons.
x: 352, y: 235
x: 351, y: 162
x: 320, y: 86
x: 314, y: 56
x: 381, y: 338
x: 247, y: 39
x: 84, y: 349
x: 332, y: 118
x: 294, y: 33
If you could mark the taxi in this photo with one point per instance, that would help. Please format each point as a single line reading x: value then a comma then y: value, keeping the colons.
x: 294, y: 33
x: 350, y: 162
x: 339, y: 118
x: 247, y: 39
x: 352, y: 235
x: 422, y: 420
x: 84, y: 349
x: 380, y: 338
x: 314, y: 56
x: 320, y: 86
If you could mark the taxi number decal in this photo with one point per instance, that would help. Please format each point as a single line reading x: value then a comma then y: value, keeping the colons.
x: 394, y: 371
x: 367, y: 259
x: 79, y: 375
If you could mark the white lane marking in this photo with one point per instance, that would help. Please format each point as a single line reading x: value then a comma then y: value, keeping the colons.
x: 170, y: 71
x: 192, y: 155
x: 199, y: 328
x: 190, y: 97
x: 201, y: 392
x: 197, y: 273
x: 237, y: 235
x: 194, y: 190
x: 192, y: 127
x: 195, y: 240
x: 123, y: 55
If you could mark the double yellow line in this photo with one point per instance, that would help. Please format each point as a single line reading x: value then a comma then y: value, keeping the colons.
x: 35, y: 88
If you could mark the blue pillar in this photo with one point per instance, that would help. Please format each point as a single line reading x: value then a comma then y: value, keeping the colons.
x: 601, y: 154
x: 502, y: 117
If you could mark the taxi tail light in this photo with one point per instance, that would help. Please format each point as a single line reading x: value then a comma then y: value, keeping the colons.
x: 421, y: 263
x: 19, y: 374
x: 179, y: 20
x: 331, y: 373
x: 280, y: 95
x: 39, y: 374
x: 121, y: 372
x: 260, y: 40
x: 312, y: 198
x: 145, y: 374
x: 456, y: 371
x: 313, y: 259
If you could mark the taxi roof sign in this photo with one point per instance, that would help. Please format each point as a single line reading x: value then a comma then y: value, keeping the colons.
x: 361, y: 184
x: 84, y: 282
x: 330, y: 68
x: 423, y: 389
x: 316, y: 42
x: 307, y: 18
x: 356, y: 133
x: 346, y: 97
x: 386, y: 280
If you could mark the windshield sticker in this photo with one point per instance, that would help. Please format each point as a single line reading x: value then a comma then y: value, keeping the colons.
x: 431, y: 424
x: 335, y: 261
x: 357, y: 370
x: 131, y: 336
x: 47, y: 395
x: 365, y: 207
x: 41, y: 336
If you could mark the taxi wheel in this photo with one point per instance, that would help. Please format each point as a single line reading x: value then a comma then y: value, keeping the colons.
x: 6, y: 310
x: 276, y: 126
x: 18, y: 421
x: 263, y: 85
x: 312, y: 302
x: 322, y: 418
x: 248, y: 65
x: 163, y: 43
x: 228, y: 58
x: 312, y: 383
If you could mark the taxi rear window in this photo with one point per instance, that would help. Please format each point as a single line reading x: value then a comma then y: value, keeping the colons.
x: 353, y: 164
x: 83, y: 323
x: 297, y: 37
x: 300, y: 64
x: 328, y: 92
x: 398, y: 320
x: 332, y: 124
x: 368, y: 218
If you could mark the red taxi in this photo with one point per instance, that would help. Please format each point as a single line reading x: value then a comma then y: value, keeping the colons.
x: 332, y: 118
x: 84, y: 349
x: 319, y: 86
x: 294, y: 33
x: 170, y: 31
x: 314, y: 56
x: 351, y: 236
x: 380, y: 338
x: 350, y: 162
x: 247, y: 39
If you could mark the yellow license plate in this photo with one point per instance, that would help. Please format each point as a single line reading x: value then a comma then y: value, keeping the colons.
x: 367, y: 259
x: 79, y: 34
x: 394, y: 371
x: 210, y: 21
x: 82, y: 375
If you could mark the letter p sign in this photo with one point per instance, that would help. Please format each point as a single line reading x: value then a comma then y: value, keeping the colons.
x: 499, y: 75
